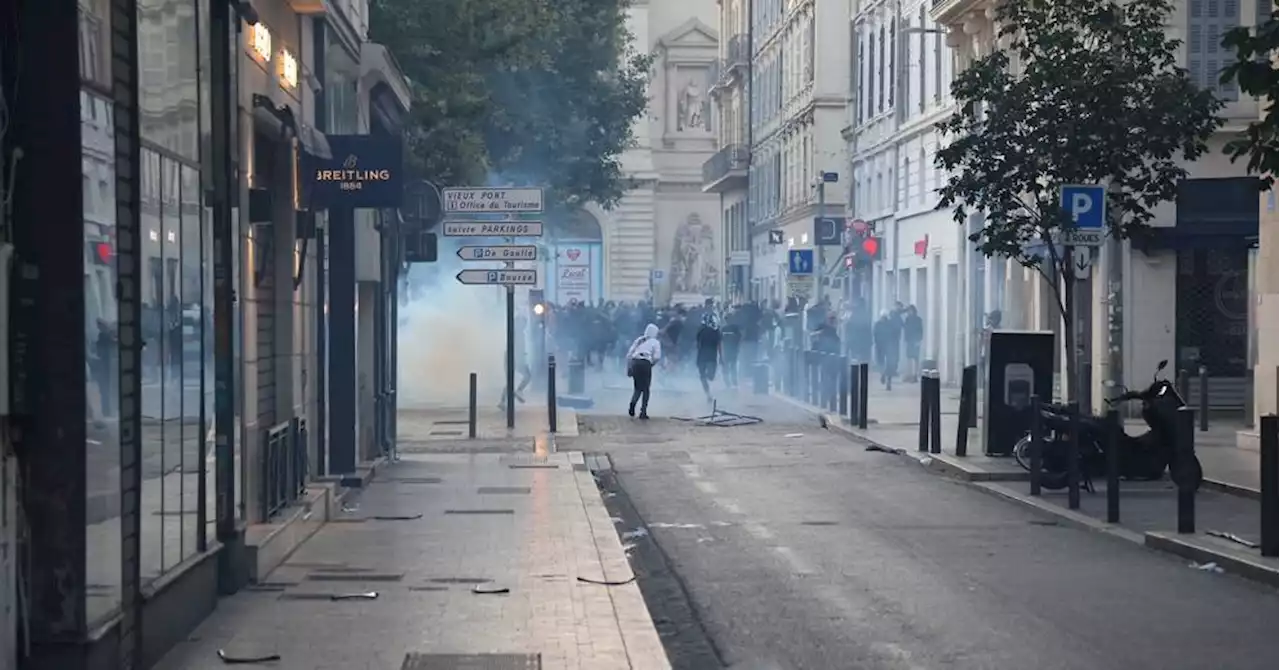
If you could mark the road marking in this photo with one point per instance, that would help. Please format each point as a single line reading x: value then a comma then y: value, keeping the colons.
x: 798, y: 565
x: 705, y: 486
x: 728, y: 506
x: 758, y: 531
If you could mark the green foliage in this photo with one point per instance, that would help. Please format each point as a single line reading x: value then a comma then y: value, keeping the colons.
x: 1095, y: 95
x: 1254, y: 71
x: 524, y: 92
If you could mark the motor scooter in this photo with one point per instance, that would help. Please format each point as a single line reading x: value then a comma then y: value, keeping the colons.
x: 1144, y: 457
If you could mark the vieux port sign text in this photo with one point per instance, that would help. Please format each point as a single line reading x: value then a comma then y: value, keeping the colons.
x: 366, y: 171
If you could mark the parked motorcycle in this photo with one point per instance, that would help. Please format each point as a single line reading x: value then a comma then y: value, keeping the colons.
x: 1143, y: 457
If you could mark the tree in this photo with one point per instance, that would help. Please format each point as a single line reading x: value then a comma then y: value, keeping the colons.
x: 521, y: 92
x: 1083, y: 92
x: 1254, y: 71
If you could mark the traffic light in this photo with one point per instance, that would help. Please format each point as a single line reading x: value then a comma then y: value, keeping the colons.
x: 870, y: 248
x: 865, y: 250
x: 536, y: 301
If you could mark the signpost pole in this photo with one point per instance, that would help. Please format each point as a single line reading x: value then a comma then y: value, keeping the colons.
x: 1115, y: 302
x: 821, y: 265
x: 511, y: 348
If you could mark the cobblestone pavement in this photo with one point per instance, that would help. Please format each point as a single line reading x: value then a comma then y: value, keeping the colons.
x: 782, y: 546
x: 425, y: 536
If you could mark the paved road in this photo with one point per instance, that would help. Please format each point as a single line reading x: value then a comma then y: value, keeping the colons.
x: 808, y: 552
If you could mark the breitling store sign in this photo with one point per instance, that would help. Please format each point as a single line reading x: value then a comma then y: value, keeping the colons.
x: 365, y: 171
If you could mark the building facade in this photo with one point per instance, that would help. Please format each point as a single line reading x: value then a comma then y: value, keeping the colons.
x: 166, y: 364
x: 725, y: 172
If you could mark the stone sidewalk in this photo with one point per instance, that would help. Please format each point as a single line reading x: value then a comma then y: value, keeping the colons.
x: 469, y: 554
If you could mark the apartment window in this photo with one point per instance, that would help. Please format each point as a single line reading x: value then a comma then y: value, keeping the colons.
x: 923, y: 166
x: 880, y: 73
x: 871, y: 75
x: 1207, y: 22
x: 809, y: 38
x: 937, y: 66
x: 921, y: 61
x: 892, y: 60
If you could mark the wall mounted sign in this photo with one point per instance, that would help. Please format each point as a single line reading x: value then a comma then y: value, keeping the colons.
x: 260, y: 42
x: 287, y: 69
x: 366, y: 171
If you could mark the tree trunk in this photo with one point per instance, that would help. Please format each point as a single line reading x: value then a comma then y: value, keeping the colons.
x: 1066, y: 308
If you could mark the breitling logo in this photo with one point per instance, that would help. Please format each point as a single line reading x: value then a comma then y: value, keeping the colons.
x: 350, y: 177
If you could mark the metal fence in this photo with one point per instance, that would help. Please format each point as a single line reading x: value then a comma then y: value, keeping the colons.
x: 285, y: 466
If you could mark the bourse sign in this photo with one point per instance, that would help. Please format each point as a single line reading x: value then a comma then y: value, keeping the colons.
x: 366, y: 171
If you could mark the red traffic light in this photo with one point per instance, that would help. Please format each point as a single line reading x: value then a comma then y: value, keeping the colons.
x: 871, y: 246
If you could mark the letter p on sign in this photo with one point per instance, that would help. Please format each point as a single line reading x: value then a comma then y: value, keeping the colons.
x: 1086, y: 204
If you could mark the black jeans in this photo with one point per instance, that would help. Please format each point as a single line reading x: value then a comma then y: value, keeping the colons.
x: 641, y: 379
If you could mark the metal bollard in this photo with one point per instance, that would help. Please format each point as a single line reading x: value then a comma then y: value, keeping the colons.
x: 1113, y: 466
x: 831, y: 372
x: 1184, y: 383
x: 968, y: 408
x: 1267, y: 456
x: 935, y: 412
x: 923, y: 441
x: 1073, y: 457
x: 551, y: 393
x: 1204, y: 399
x: 842, y: 386
x: 471, y: 408
x: 1033, y: 450
x: 1186, y: 436
x: 853, y: 394
x: 864, y: 386
x: 577, y: 375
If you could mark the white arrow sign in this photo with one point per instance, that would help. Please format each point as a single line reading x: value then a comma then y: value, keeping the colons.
x: 474, y: 200
x: 492, y: 228
x: 499, y: 252
x: 1081, y: 262
x: 498, y: 277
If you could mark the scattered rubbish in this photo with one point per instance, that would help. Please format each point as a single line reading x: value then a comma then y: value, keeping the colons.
x: 1233, y: 538
x: 822, y: 421
x: 396, y: 517
x: 721, y: 418
x: 926, y: 461
x: 626, y: 548
x: 1207, y: 567
x: 609, y: 494
x: 603, y: 582
x: 367, y: 595
x: 489, y: 590
x: 676, y: 525
x: 885, y: 450
x: 1043, y: 522
x: 616, y: 519
x: 350, y: 509
x: 246, y: 660
x: 633, y: 534
x: 705, y: 539
x: 794, y: 435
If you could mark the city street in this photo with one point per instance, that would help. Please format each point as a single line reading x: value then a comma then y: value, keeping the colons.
x: 783, y: 545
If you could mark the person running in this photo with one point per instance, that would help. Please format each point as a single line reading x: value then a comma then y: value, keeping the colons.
x: 707, y: 340
x: 643, y: 354
x: 731, y: 341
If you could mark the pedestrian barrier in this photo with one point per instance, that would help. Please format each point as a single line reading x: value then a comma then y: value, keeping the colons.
x: 471, y: 406
x: 968, y: 409
x: 1267, y: 456
x: 1204, y: 399
x: 930, y: 412
x: 1113, y: 427
x: 1073, y: 455
x: 844, y: 381
x: 551, y: 394
x: 1034, y: 453
x: 1184, y: 472
x: 577, y: 375
x: 284, y: 466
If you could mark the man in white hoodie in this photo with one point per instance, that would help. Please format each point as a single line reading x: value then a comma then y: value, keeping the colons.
x: 641, y: 357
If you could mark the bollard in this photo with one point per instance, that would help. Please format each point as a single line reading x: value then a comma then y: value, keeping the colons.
x: 864, y: 381
x: 923, y: 442
x: 831, y: 372
x: 1186, y: 446
x: 935, y: 412
x: 1033, y: 449
x: 577, y: 375
x: 1184, y: 384
x: 551, y: 393
x: 1113, y: 466
x: 471, y: 408
x: 842, y: 386
x: 968, y: 408
x: 1267, y: 453
x: 760, y: 378
x: 1073, y: 456
x: 1204, y: 399
x: 853, y: 394
x: 815, y: 376
x: 793, y: 373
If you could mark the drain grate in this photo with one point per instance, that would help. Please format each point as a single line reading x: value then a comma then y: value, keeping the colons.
x: 479, y: 511
x: 412, y: 480
x: 503, y: 490
x: 446, y: 432
x: 460, y: 580
x: 364, y: 577
x: 472, y: 662
x: 534, y: 466
x: 453, y: 422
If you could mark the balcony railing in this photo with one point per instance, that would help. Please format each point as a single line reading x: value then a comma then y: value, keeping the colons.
x: 729, y: 159
x: 739, y: 51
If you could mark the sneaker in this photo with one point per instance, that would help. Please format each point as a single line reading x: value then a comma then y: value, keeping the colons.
x: 631, y: 410
x: 644, y: 415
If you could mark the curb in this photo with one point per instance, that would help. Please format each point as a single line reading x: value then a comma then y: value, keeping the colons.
x: 1076, y: 519
x: 1232, y: 489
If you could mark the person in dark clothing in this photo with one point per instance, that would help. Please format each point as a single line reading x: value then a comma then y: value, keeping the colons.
x: 888, y: 336
x: 912, y: 336
x: 671, y: 333
x: 708, y: 340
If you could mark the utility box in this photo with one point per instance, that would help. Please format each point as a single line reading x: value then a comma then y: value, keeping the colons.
x: 1019, y: 365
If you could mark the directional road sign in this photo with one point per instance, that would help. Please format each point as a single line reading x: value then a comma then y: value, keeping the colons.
x: 800, y: 261
x: 481, y: 200
x: 491, y: 228
x: 1081, y: 261
x: 498, y: 277
x: 1087, y: 205
x: 499, y: 252
x: 775, y: 237
x: 827, y: 231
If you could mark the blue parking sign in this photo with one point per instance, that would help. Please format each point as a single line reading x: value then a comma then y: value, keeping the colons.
x: 800, y: 261
x: 1086, y: 205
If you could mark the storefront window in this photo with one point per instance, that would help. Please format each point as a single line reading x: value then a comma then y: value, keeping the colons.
x: 175, y: 309
x: 102, y: 388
